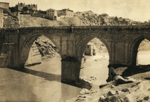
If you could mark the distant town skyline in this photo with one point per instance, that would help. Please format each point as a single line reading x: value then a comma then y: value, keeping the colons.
x: 138, y: 10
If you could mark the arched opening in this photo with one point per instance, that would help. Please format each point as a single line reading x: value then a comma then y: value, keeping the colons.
x: 95, y: 62
x: 143, y: 53
x: 43, y: 68
x: 44, y: 56
x: 42, y: 63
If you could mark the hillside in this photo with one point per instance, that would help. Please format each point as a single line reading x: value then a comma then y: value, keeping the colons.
x: 90, y: 18
x: 29, y: 21
x: 80, y: 19
x: 85, y: 18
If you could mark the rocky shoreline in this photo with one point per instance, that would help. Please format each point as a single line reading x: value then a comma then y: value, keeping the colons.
x: 135, y: 88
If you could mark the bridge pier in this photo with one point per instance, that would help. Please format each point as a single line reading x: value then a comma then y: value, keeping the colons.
x: 70, y: 70
x: 14, y: 60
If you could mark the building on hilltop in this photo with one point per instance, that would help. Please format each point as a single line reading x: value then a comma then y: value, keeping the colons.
x: 22, y: 7
x: 90, y: 49
x: 78, y: 13
x: 56, y: 14
x: 52, y: 14
x: 4, y: 5
x: 65, y: 13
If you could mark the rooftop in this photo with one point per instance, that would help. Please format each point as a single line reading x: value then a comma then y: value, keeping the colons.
x: 50, y: 9
x: 4, y: 2
x: 67, y: 10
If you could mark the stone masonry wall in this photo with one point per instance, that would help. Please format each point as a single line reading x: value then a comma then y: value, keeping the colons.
x: 1, y: 18
x: 4, y: 5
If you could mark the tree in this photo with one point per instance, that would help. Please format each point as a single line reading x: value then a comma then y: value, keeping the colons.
x: 116, y: 19
x: 13, y: 9
x: 25, y: 9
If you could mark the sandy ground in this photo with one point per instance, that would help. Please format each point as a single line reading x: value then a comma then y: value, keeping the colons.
x: 95, y: 66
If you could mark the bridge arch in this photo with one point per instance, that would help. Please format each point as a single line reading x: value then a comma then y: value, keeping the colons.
x: 25, y: 48
x: 87, y: 67
x: 83, y: 42
x: 134, y: 47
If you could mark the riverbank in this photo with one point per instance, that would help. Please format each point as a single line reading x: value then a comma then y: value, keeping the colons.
x: 137, y: 90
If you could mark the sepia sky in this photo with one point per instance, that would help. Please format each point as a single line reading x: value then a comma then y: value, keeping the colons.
x: 133, y: 9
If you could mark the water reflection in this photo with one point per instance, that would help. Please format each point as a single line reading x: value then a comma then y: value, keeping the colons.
x: 68, y: 91
x: 39, y: 83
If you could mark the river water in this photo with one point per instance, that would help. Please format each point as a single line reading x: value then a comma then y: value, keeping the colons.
x: 42, y: 82
x: 39, y: 83
x: 49, y: 87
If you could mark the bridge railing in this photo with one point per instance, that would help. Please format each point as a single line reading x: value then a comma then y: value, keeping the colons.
x: 84, y: 27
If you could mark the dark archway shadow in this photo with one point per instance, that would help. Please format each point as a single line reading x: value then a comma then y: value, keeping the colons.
x: 47, y: 76
x: 132, y: 70
x: 53, y: 77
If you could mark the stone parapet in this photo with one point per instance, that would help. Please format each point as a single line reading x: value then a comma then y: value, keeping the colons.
x: 4, y: 5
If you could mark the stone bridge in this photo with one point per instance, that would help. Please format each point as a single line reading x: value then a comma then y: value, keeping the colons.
x: 121, y: 41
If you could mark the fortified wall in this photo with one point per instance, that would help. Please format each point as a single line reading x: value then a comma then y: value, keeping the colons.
x: 1, y: 18
x: 3, y: 5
